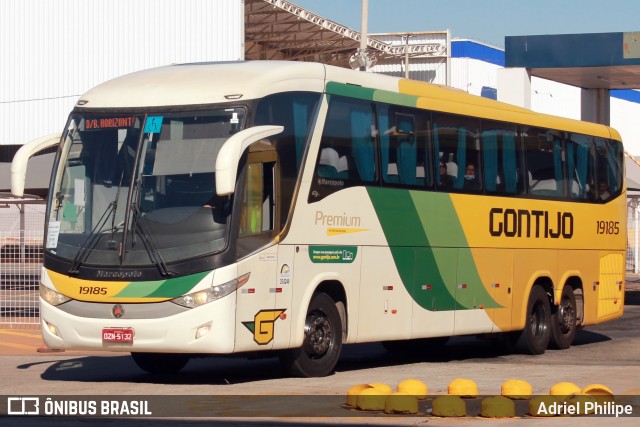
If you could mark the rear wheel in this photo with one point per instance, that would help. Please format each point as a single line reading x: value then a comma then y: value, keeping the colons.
x: 563, y: 321
x: 160, y: 363
x: 535, y: 337
x: 322, y: 341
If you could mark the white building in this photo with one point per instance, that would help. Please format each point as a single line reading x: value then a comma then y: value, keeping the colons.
x: 52, y: 51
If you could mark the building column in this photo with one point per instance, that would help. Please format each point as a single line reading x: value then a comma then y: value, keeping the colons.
x: 514, y: 86
x: 596, y: 106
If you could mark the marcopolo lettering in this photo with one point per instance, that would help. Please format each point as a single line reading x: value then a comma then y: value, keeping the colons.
x: 131, y: 274
x: 530, y: 223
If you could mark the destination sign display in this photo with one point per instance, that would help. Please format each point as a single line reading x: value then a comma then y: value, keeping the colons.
x: 108, y: 122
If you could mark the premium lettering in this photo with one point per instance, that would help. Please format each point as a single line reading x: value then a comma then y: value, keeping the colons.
x: 336, y: 220
x: 536, y: 224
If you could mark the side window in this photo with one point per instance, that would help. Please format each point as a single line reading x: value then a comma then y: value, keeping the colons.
x: 502, y: 155
x: 404, y: 156
x: 347, y: 150
x: 544, y: 159
x: 457, y: 146
x: 295, y: 111
x: 581, y: 163
x: 258, y: 207
x: 610, y: 169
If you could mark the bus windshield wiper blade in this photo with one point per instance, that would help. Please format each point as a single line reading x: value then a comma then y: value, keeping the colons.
x: 89, y: 243
x: 148, y: 244
x: 92, y: 239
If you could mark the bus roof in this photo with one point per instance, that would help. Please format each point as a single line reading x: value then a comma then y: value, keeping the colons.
x: 204, y: 83
x: 196, y: 84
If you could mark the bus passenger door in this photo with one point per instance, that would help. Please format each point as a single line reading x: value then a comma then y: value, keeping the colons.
x: 257, y: 313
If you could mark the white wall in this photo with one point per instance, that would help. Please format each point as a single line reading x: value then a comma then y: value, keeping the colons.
x: 52, y: 51
x: 555, y: 98
x: 625, y: 118
x: 470, y: 75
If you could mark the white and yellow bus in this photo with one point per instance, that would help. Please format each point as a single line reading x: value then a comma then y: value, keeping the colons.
x: 223, y: 208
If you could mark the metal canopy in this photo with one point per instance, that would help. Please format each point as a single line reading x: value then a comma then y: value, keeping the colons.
x: 278, y: 29
x: 590, y: 61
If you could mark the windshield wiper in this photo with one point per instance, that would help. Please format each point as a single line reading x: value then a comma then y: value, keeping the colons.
x: 92, y: 239
x: 148, y: 244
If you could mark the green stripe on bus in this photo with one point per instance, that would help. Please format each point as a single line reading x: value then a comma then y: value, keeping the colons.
x: 139, y: 289
x: 179, y: 286
x: 395, y: 98
x: 410, y: 220
x: 171, y: 288
x: 378, y: 95
x: 409, y: 246
x: 351, y: 91
x: 440, y: 222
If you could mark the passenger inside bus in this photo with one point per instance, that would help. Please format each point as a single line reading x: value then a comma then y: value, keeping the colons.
x: 471, y: 181
x: 445, y: 182
x: 603, y: 191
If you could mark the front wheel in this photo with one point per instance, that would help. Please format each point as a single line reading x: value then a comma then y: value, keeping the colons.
x: 160, y: 363
x: 535, y: 337
x: 322, y: 343
x: 563, y: 321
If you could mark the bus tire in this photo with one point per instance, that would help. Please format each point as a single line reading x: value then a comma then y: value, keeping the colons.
x: 535, y: 337
x: 563, y: 320
x: 160, y: 363
x: 322, y: 343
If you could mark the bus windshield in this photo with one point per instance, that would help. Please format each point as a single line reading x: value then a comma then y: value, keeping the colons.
x: 137, y: 190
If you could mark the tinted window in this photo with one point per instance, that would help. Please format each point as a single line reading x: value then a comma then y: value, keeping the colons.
x: 502, y: 158
x: 404, y: 156
x: 457, y: 145
x: 347, y: 149
x: 580, y: 155
x: 610, y: 169
x: 544, y: 154
x: 295, y: 111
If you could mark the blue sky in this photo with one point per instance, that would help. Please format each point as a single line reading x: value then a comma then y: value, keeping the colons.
x: 487, y: 21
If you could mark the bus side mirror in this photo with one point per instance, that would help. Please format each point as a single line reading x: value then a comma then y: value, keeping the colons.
x: 231, y: 151
x: 21, y: 159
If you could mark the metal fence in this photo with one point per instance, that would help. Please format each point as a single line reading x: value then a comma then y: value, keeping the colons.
x: 21, y: 235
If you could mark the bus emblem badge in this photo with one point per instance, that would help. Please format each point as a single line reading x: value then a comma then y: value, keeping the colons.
x: 117, y: 311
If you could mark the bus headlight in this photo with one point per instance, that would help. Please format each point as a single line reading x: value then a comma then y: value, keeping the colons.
x: 51, y: 296
x: 215, y: 292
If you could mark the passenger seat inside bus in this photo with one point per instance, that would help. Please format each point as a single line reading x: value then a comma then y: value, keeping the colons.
x: 452, y: 170
x: 332, y: 165
x: 546, y: 187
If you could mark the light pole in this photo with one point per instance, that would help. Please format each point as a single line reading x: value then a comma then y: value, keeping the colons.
x: 406, y: 54
x: 363, y: 34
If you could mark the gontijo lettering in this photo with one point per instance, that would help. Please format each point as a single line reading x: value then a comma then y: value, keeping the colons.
x: 530, y: 223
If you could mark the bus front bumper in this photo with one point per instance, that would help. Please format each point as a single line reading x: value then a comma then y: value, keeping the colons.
x: 209, y: 329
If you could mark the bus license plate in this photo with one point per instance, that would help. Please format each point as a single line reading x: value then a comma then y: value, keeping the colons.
x: 117, y: 335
